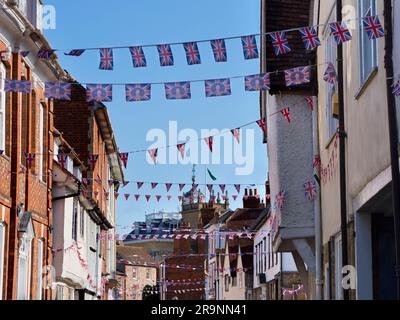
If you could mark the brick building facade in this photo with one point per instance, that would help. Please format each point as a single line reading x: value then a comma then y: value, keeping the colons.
x: 26, y: 127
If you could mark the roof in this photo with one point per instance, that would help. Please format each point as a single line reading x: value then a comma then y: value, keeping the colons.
x: 282, y: 15
x: 244, y: 218
x: 134, y: 256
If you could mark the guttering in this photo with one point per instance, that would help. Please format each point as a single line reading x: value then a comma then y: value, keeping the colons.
x: 342, y: 151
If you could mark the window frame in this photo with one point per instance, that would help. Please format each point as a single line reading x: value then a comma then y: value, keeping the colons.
x: 3, y: 231
x: 41, y: 140
x: 40, y: 268
x: 3, y: 98
x: 365, y: 44
x: 332, y: 123
x: 75, y: 207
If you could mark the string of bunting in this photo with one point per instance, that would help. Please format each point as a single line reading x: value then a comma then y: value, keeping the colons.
x: 309, y: 34
x: 178, y: 90
x: 289, y: 292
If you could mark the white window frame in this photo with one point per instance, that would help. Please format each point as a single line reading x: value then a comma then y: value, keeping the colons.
x: 330, y: 90
x: 41, y: 139
x: 40, y: 269
x: 2, y: 254
x: 2, y: 108
x: 367, y: 68
x: 24, y: 278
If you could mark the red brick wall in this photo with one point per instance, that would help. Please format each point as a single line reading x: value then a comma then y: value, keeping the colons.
x: 26, y: 188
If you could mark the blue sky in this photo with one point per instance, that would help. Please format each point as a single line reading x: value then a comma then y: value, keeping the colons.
x: 101, y: 23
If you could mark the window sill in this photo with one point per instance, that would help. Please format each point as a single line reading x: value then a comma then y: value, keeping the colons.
x: 331, y: 139
x: 366, y: 82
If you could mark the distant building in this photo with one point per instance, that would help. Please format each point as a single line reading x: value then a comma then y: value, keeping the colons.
x: 136, y: 271
x: 236, y: 271
x: 149, y: 235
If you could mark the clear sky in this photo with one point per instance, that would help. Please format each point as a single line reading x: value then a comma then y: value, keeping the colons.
x: 101, y: 23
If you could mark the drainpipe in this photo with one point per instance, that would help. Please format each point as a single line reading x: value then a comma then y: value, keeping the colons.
x: 393, y: 135
x: 317, y: 201
x: 317, y: 216
x: 342, y: 151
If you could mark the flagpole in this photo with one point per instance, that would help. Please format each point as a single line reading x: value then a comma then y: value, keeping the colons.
x: 205, y: 182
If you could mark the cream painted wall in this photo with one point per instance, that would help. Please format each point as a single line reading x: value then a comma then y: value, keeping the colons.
x: 367, y: 147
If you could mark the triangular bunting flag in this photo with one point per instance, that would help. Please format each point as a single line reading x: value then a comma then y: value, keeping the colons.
x: 236, y: 134
x: 168, y: 186
x: 181, y: 149
x: 153, y: 154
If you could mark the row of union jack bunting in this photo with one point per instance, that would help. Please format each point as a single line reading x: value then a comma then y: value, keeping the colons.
x: 280, y: 43
x: 173, y: 90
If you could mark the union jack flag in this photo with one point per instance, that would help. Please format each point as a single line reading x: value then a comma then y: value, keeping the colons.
x: 340, y: 32
x: 93, y: 159
x: 192, y: 53
x: 286, y: 113
x: 218, y: 87
x: 30, y: 158
x: 99, y: 92
x: 138, y: 57
x: 209, y: 142
x: 373, y: 27
x: 219, y: 50
x: 250, y: 50
x: 138, y: 92
x: 280, y: 200
x: 257, y: 82
x: 106, y: 59
x: 75, y: 52
x: 181, y: 149
x: 280, y: 43
x: 22, y: 86
x: 124, y: 158
x: 330, y: 74
x: 166, y: 56
x: 310, y: 189
x: 45, y: 53
x: 236, y: 134
x: 310, y: 102
x: 262, y: 125
x: 58, y: 90
x: 297, y: 76
x: 153, y: 154
x: 310, y: 37
x: 62, y: 160
x: 177, y: 90
x: 396, y: 88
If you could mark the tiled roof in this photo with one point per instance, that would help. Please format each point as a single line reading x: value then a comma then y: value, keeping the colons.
x: 244, y: 218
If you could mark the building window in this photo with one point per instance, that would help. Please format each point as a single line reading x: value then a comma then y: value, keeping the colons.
x: 134, y: 273
x: 2, y: 254
x: 60, y: 293
x: 41, y: 141
x: 134, y: 294
x: 368, y: 48
x: 147, y: 273
x: 331, y: 90
x: 24, y: 269
x: 82, y: 222
x: 75, y: 219
x: 2, y: 108
x: 226, y: 283
x: 39, y: 270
